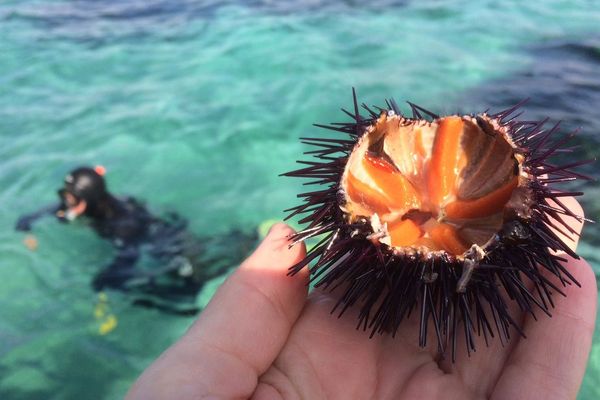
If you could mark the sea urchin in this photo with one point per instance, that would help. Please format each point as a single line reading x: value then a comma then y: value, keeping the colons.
x: 452, y: 216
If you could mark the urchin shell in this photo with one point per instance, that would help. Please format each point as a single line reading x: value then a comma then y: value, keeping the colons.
x: 453, y: 291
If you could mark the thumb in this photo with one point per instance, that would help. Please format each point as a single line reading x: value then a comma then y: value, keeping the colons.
x: 239, y: 334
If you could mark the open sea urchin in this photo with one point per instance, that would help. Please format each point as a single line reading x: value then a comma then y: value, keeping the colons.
x: 452, y: 216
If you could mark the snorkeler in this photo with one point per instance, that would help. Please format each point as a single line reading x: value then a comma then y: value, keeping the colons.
x: 183, y: 262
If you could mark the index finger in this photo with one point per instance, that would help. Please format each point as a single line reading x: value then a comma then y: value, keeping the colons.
x: 239, y: 334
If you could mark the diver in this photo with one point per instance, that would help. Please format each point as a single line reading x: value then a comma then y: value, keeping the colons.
x: 180, y: 262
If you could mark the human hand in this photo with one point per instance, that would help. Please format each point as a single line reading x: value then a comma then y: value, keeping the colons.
x: 23, y: 224
x: 261, y: 337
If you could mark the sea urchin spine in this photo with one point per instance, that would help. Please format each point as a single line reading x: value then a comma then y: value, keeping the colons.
x: 453, y: 216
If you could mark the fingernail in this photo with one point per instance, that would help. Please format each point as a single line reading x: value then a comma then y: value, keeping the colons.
x: 279, y: 230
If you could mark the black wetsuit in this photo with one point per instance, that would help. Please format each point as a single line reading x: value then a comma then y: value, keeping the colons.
x: 175, y: 264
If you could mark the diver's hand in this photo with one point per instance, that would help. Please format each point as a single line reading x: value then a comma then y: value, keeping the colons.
x: 24, y: 223
x: 260, y: 337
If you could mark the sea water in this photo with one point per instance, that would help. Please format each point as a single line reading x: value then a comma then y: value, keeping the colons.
x: 197, y: 106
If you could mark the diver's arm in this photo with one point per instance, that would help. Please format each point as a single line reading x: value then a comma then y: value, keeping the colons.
x: 25, y: 221
x: 119, y: 271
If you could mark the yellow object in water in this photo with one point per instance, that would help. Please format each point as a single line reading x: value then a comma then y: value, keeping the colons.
x: 99, y: 311
x: 102, y: 314
x: 108, y: 325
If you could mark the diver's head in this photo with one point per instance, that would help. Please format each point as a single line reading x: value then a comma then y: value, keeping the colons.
x: 84, y: 192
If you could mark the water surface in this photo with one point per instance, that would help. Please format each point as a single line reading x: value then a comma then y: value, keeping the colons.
x: 196, y: 106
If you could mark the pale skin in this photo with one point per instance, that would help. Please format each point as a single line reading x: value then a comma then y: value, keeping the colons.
x: 263, y: 336
x: 76, y: 206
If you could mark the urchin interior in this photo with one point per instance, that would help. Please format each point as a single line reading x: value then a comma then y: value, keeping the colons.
x: 431, y: 186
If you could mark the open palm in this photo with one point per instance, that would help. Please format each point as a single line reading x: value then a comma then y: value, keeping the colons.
x: 261, y: 337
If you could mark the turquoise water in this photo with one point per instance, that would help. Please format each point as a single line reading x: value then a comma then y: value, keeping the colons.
x: 197, y: 106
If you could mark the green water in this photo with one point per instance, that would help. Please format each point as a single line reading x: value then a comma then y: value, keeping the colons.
x: 197, y: 107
